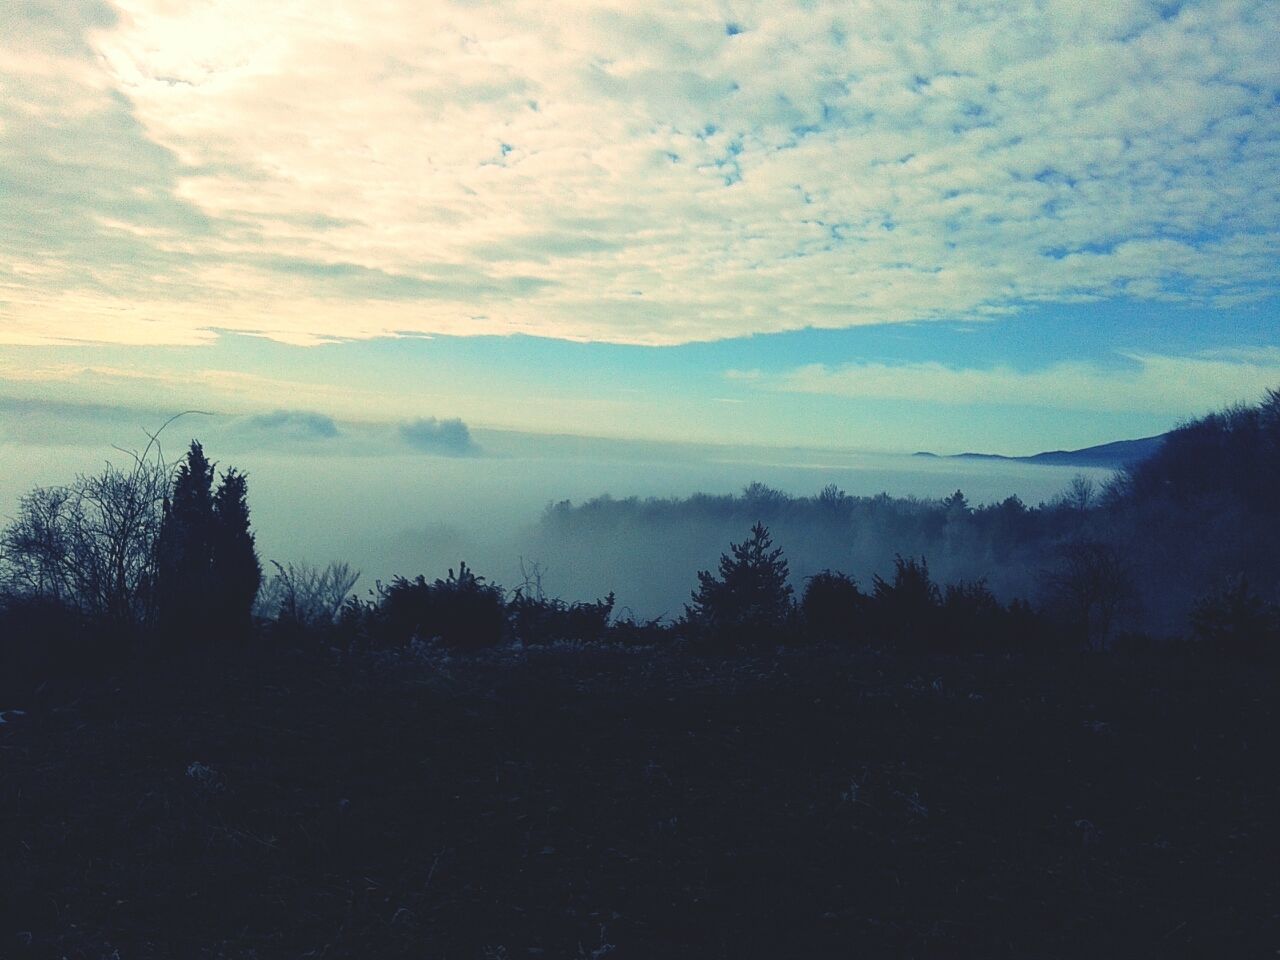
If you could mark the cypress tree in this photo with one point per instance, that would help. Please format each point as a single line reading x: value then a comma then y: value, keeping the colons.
x: 236, y: 571
x: 184, y: 550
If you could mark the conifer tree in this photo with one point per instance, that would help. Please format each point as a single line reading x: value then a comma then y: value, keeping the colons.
x: 750, y: 597
x: 184, y: 550
x: 235, y: 569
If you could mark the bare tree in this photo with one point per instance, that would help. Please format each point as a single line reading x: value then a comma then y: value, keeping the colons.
x: 1081, y: 494
x: 91, y: 544
x: 116, y: 519
x: 532, y: 573
x: 306, y: 596
x: 1092, y: 590
x: 35, y: 549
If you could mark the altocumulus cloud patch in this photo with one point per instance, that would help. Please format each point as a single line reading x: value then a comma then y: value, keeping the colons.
x: 630, y: 175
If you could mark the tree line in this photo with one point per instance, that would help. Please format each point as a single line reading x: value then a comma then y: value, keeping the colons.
x: 139, y: 547
x: 168, y: 551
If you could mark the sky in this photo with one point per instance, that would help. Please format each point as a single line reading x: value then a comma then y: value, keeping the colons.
x: 890, y: 226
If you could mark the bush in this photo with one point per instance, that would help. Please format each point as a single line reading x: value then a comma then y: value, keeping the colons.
x: 647, y: 633
x: 972, y: 618
x: 461, y: 612
x: 833, y: 608
x: 1236, y: 621
x: 906, y: 611
x: 543, y: 620
x: 304, y: 599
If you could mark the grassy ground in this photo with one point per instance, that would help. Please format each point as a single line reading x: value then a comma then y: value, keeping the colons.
x: 634, y: 804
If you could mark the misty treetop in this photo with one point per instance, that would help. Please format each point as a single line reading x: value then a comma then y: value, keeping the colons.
x: 1130, y: 554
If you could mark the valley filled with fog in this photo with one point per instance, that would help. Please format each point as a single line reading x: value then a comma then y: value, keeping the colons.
x: 396, y: 500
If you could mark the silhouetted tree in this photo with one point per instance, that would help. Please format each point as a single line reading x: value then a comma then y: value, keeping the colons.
x: 956, y: 505
x: 90, y: 545
x: 235, y: 570
x: 972, y: 618
x: 1091, y: 590
x: 1233, y: 453
x: 750, y: 599
x: 907, y: 608
x: 832, y: 499
x: 36, y: 552
x: 762, y: 499
x: 1080, y: 495
x: 185, y: 548
x: 207, y: 569
x: 833, y: 608
x: 304, y: 599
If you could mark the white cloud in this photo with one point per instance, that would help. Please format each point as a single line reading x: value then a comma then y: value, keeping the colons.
x: 1164, y: 385
x: 637, y: 174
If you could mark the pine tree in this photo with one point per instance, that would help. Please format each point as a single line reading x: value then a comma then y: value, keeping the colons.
x: 235, y: 570
x: 751, y: 598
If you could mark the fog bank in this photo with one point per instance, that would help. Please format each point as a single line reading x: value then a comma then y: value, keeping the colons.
x: 382, y: 499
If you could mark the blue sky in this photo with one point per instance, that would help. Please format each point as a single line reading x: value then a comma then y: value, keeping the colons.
x: 885, y: 225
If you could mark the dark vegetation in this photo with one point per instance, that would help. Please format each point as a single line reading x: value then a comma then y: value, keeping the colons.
x: 1102, y: 560
x: 197, y: 761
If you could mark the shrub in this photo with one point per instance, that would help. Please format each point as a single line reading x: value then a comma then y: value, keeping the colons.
x: 543, y: 620
x: 972, y: 618
x: 1236, y: 621
x: 906, y: 611
x: 462, y: 612
x: 833, y: 608
x: 302, y: 598
x: 629, y: 631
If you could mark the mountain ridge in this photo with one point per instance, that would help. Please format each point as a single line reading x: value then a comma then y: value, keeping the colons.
x: 1113, y: 455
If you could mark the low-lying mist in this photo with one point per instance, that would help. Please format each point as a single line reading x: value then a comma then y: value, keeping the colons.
x: 391, y: 499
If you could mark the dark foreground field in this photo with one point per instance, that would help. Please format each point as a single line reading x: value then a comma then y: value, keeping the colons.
x: 630, y: 804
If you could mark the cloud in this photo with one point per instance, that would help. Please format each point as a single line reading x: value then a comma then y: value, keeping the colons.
x: 623, y: 173
x: 294, y: 425
x: 1164, y: 385
x: 442, y: 437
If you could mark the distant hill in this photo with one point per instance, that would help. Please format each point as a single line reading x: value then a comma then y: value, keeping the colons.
x: 1110, y: 456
